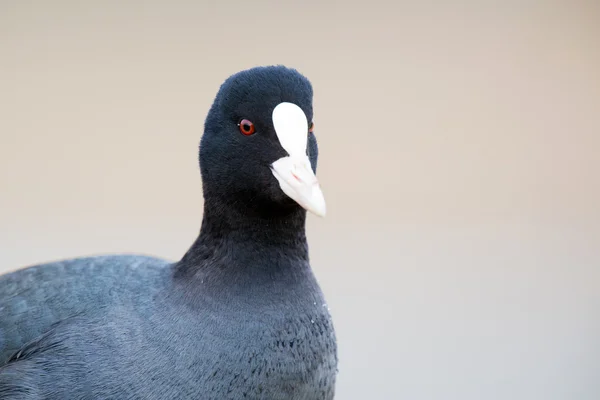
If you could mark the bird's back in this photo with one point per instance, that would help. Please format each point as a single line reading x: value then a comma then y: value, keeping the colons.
x: 255, y: 342
x: 34, y: 299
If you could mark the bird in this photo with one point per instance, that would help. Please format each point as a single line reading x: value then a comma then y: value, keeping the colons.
x: 240, y: 315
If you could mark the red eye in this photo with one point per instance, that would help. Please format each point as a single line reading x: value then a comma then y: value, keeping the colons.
x: 246, y: 127
x: 311, y: 127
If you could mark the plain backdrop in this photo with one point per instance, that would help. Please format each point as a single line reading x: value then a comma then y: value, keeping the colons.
x: 459, y: 156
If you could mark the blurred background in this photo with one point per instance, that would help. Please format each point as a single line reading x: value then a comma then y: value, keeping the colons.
x: 459, y: 155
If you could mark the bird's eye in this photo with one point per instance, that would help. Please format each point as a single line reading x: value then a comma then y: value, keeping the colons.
x: 246, y: 127
x: 311, y: 128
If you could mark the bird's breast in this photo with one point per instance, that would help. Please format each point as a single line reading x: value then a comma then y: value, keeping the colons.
x: 287, y: 356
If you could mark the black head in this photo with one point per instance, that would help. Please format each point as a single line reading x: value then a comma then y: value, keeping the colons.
x: 252, y: 154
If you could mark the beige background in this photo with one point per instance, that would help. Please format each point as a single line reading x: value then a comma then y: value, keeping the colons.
x: 460, y: 154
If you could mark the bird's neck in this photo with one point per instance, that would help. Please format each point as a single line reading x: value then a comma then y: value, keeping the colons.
x: 235, y: 242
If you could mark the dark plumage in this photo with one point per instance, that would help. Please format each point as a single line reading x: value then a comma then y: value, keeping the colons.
x: 240, y: 316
